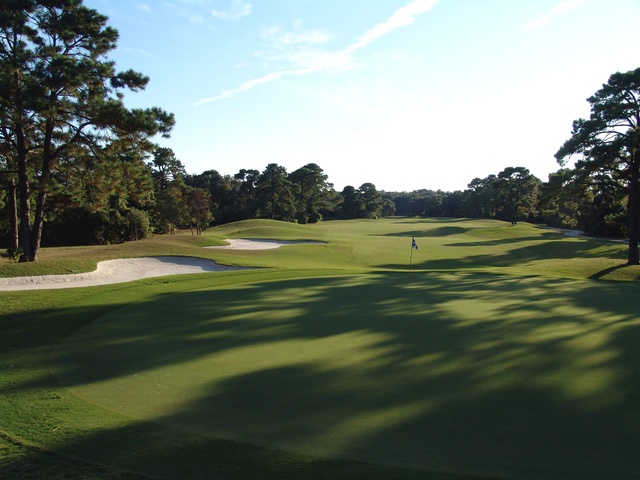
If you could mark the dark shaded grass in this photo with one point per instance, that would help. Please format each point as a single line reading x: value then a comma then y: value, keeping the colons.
x: 501, y: 376
x: 19, y: 461
x: 553, y: 378
x: 79, y: 440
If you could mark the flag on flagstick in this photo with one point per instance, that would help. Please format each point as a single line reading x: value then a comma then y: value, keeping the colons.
x: 414, y: 245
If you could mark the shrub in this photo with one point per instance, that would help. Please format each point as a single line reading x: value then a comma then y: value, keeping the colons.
x: 139, y: 225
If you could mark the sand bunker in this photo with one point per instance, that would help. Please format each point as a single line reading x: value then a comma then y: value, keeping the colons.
x: 129, y: 269
x: 117, y: 271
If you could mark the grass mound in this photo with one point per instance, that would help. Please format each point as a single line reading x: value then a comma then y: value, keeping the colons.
x: 268, y: 229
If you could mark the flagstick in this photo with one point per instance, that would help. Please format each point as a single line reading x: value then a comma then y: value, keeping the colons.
x: 413, y: 245
x: 410, y: 259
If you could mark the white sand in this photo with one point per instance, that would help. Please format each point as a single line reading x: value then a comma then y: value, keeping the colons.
x: 129, y: 269
x: 116, y: 271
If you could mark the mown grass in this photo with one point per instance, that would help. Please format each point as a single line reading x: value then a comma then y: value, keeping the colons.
x: 449, y: 244
x: 334, y: 362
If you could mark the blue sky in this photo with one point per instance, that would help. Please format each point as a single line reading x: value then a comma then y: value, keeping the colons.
x: 403, y: 94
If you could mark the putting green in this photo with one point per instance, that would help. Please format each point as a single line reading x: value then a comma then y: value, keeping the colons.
x: 472, y: 373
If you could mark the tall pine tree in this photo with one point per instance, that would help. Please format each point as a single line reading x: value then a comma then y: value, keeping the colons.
x: 59, y: 95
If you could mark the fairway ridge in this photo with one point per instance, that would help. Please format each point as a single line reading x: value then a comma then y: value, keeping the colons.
x: 492, y: 357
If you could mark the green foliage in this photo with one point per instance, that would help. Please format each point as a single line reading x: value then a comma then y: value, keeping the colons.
x: 365, y: 202
x: 371, y: 200
x: 13, y: 254
x: 229, y: 200
x: 171, y: 208
x: 62, y: 115
x: 562, y: 204
x: 427, y: 203
x: 352, y: 206
x: 139, y: 225
x: 607, y: 148
x: 518, y: 196
x: 314, y: 194
x: 77, y: 226
x: 199, y: 204
x: 166, y: 169
x: 276, y: 194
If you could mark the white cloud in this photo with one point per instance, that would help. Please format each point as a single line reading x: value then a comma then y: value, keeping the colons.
x: 300, y: 50
x: 249, y: 84
x: 562, y: 8
x: 281, y: 38
x: 308, y: 60
x: 402, y: 17
x: 236, y: 10
x: 193, y: 10
x: 144, y: 7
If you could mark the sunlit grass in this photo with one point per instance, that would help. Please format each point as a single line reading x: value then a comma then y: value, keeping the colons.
x: 370, y: 244
x: 484, y: 357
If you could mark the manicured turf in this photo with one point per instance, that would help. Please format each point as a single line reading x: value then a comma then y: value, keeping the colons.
x: 481, y: 360
x: 382, y: 369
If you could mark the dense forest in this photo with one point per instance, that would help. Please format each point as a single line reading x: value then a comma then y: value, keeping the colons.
x: 164, y: 197
x: 77, y: 167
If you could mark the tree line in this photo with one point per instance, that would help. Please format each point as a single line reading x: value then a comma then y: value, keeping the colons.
x: 78, y: 167
x: 174, y: 199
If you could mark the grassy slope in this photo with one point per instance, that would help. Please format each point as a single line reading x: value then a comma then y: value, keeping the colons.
x: 482, y: 245
x: 38, y: 409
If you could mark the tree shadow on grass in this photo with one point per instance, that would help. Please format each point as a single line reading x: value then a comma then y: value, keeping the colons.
x: 433, y: 232
x: 519, y: 253
x: 428, y: 220
x: 607, y: 271
x: 510, y: 377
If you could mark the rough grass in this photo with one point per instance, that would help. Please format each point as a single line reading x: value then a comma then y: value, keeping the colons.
x: 333, y: 358
x: 26, y: 462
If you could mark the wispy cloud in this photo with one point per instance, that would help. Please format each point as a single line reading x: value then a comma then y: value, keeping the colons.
x: 299, y: 50
x: 276, y: 36
x: 195, y: 11
x: 308, y: 60
x: 144, y: 7
x: 138, y: 51
x: 562, y: 8
x: 236, y: 10
x: 402, y: 17
x: 249, y: 84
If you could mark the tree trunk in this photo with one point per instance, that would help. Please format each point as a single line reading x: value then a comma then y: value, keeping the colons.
x: 633, y: 209
x: 14, y: 238
x: 38, y: 220
x: 24, y: 232
x: 38, y: 223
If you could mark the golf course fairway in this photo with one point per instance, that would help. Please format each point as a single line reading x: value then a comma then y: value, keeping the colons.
x: 377, y: 371
x: 437, y: 373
